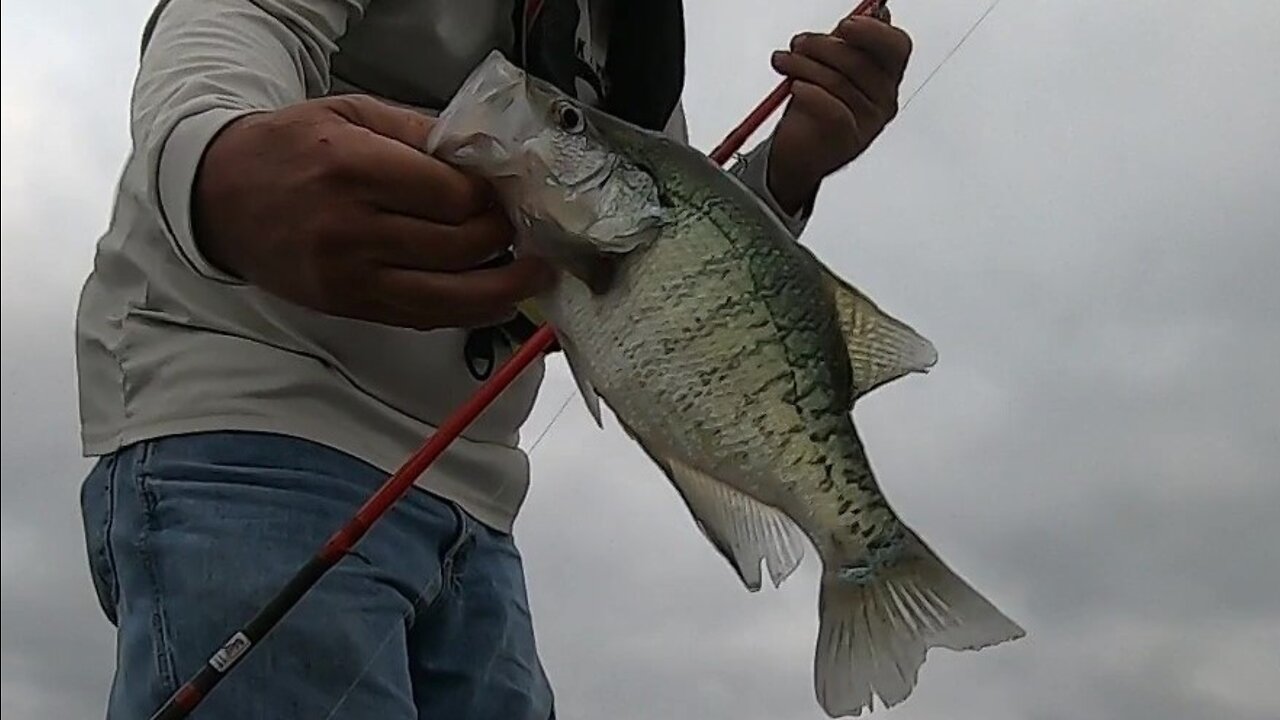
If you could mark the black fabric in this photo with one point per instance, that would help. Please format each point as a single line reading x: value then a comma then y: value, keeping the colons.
x: 480, y: 349
x: 645, y: 64
x: 643, y: 74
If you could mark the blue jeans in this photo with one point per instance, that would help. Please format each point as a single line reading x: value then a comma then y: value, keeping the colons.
x: 189, y: 536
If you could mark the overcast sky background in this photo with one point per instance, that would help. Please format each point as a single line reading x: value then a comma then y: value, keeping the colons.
x: 1080, y: 211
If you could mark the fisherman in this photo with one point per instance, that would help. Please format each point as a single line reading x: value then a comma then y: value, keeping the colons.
x: 291, y: 295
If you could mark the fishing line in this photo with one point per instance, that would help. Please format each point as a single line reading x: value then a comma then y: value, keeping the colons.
x: 963, y: 39
x: 554, y: 418
x: 382, y: 644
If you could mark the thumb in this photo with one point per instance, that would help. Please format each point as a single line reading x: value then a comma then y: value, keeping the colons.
x: 407, y: 126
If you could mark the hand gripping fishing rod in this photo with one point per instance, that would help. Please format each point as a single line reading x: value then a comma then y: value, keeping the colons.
x: 189, y: 696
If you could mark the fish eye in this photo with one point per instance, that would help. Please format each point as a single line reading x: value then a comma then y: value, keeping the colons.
x: 569, y: 118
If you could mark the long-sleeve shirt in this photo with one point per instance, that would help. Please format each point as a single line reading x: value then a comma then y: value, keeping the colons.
x: 167, y: 344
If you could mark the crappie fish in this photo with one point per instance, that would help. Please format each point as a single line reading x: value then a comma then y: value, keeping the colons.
x: 733, y: 357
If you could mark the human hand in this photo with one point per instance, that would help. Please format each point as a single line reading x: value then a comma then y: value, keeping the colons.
x: 332, y: 204
x: 844, y: 92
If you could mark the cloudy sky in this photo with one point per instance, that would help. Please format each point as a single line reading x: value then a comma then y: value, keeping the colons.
x: 1080, y: 211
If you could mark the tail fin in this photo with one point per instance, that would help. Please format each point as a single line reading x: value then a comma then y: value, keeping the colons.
x: 874, y: 632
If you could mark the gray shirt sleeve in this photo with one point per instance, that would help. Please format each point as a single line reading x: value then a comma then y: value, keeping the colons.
x: 208, y: 62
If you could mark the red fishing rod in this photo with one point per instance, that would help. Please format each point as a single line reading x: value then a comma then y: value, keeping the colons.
x: 189, y: 696
x: 752, y: 122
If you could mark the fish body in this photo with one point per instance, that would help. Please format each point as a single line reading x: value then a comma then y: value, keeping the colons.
x: 719, y: 348
x: 733, y: 357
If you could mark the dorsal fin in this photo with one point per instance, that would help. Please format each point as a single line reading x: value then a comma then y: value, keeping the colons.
x: 881, y: 347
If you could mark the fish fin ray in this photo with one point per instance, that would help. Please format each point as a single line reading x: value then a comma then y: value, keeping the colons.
x: 742, y: 528
x: 874, y: 633
x: 881, y: 348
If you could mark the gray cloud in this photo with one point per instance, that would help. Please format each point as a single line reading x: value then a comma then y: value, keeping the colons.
x: 1078, y: 211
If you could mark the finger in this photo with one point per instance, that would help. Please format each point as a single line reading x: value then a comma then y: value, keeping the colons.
x: 878, y: 10
x: 842, y: 125
x: 468, y: 299
x: 415, y: 244
x: 857, y: 66
x: 406, y: 126
x: 840, y: 90
x: 887, y: 45
x: 398, y: 177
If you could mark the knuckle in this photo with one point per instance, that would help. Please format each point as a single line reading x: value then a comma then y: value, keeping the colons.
x: 333, y: 164
x: 458, y: 195
x: 347, y: 104
x: 908, y: 44
x: 849, y: 94
x: 520, y: 283
x: 488, y: 232
x: 810, y: 43
x: 848, y: 128
x: 808, y: 95
x: 470, y: 193
x: 832, y: 112
x: 849, y: 28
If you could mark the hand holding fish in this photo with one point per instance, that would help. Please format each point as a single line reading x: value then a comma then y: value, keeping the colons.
x: 844, y: 92
x: 332, y: 205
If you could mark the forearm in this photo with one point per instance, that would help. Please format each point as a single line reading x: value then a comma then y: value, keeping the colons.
x: 790, y: 200
x: 206, y: 63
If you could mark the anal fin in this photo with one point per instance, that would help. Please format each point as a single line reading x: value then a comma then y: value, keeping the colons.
x: 743, y: 529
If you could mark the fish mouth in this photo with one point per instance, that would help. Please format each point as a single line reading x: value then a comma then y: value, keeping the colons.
x: 488, y: 121
x: 497, y: 126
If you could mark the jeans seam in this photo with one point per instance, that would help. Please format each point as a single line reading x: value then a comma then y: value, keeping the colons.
x: 446, y: 582
x: 107, y: 580
x: 456, y: 554
x: 159, y: 627
x: 108, y: 525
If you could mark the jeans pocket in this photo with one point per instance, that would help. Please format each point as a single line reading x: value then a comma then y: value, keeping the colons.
x: 97, y: 511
